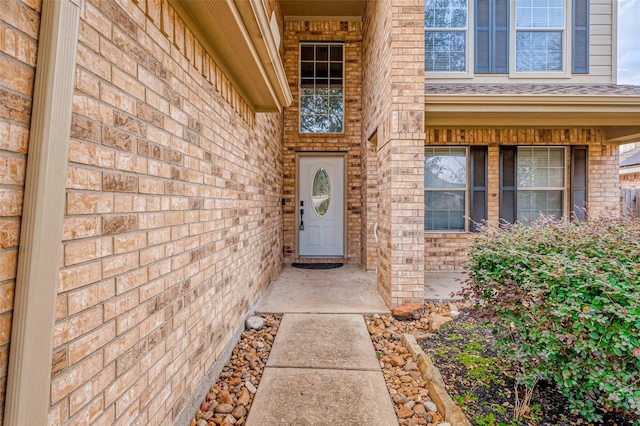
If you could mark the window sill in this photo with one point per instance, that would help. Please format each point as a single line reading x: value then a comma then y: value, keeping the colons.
x: 435, y: 75
x: 545, y: 75
x: 426, y: 231
x: 301, y: 134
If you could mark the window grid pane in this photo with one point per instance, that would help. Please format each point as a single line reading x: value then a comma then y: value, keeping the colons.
x: 541, y: 182
x: 445, y: 51
x: 445, y: 35
x: 445, y: 192
x: 444, y: 210
x: 538, y: 51
x: 321, y: 88
x: 445, y: 14
x: 539, y: 24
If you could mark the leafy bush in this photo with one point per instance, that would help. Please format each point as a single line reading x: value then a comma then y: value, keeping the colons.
x: 565, y: 300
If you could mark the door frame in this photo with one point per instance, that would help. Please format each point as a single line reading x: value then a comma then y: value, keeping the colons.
x: 296, y: 211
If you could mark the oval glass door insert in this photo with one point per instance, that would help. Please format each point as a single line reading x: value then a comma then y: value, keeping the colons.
x: 321, y: 192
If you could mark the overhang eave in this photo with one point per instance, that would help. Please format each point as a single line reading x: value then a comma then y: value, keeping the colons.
x: 237, y: 35
x: 617, y: 116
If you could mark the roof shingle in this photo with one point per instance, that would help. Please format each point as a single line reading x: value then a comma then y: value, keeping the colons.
x: 533, y: 89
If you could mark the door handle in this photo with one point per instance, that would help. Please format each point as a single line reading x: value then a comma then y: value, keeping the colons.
x: 301, y: 221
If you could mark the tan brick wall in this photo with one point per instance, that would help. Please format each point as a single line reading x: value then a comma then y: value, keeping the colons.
x: 349, y: 142
x: 173, y: 218
x: 400, y: 161
x: 448, y: 251
x: 630, y: 180
x: 19, y: 27
x: 376, y: 95
x: 393, y: 92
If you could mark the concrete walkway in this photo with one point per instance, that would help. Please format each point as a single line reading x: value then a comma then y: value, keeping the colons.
x: 440, y: 285
x: 322, y: 369
x: 336, y: 291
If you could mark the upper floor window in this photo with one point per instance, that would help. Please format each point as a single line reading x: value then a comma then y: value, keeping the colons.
x: 445, y: 35
x: 540, y: 26
x: 521, y: 38
x: 321, y: 87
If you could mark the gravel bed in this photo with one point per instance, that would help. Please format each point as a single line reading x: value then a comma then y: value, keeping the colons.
x: 407, y: 389
x: 229, y: 401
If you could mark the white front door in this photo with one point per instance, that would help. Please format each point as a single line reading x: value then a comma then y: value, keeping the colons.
x: 321, y: 206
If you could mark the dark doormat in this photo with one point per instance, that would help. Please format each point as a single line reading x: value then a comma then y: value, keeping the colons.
x: 316, y: 265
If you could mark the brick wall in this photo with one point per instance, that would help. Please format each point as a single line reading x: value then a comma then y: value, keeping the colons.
x: 402, y: 157
x: 393, y: 92
x: 349, y: 142
x: 173, y: 218
x: 448, y: 251
x: 19, y: 27
x: 376, y: 95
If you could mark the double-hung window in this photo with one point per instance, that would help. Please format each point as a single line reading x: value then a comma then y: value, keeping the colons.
x: 455, y: 188
x: 445, y: 189
x: 445, y: 35
x: 541, y: 182
x: 540, y: 27
x: 321, y: 87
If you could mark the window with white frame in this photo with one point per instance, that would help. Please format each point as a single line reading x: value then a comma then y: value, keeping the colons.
x: 445, y: 188
x: 321, y: 87
x: 445, y: 37
x: 540, y: 25
x: 541, y: 181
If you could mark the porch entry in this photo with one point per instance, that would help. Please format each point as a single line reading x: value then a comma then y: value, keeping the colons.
x: 320, y: 208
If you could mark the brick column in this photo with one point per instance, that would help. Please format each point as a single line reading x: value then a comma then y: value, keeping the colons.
x: 401, y: 161
x: 401, y: 218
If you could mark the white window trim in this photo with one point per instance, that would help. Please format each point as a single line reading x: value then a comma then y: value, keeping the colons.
x: 344, y: 62
x: 467, y: 193
x: 565, y: 190
x: 566, y: 47
x: 469, y: 48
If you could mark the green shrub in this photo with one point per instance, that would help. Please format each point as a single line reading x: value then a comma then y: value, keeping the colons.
x: 565, y: 300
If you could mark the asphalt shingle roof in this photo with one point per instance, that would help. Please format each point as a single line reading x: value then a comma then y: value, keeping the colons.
x: 632, y: 158
x: 533, y: 89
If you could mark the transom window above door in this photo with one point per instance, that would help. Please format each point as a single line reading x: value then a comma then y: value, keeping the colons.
x: 321, y: 87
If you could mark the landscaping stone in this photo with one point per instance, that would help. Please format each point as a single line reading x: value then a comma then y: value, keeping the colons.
x: 405, y: 412
x: 430, y: 406
x: 229, y: 400
x: 438, y: 321
x: 224, y: 408
x: 409, y: 391
x: 239, y: 412
x: 252, y: 389
x: 408, y: 311
x: 255, y: 323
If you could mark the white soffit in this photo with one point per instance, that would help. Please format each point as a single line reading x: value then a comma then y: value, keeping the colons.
x: 237, y: 35
x: 323, y: 10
